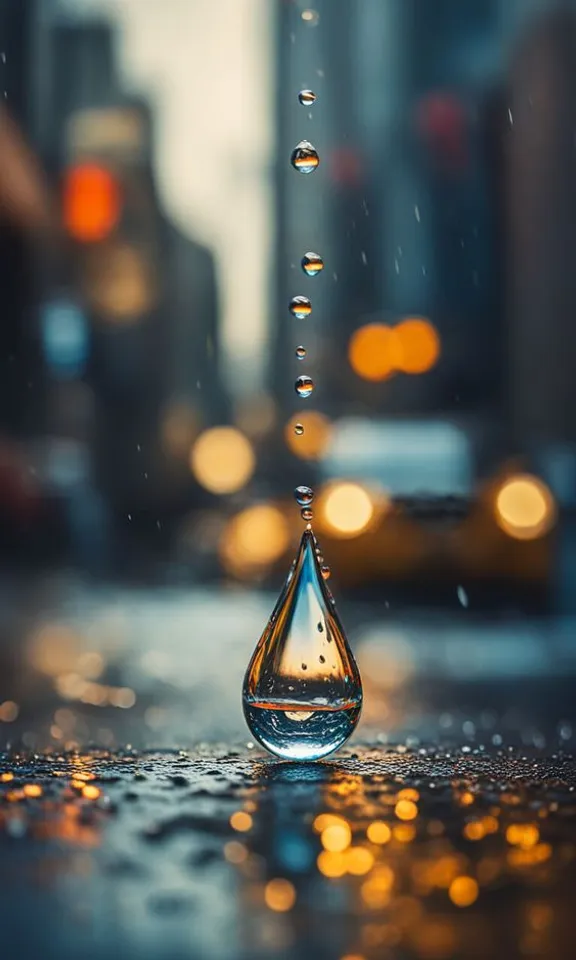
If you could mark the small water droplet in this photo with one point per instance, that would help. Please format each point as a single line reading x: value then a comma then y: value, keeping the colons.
x: 305, y: 157
x: 320, y: 628
x: 300, y: 352
x: 300, y: 307
x: 304, y: 386
x: 304, y: 666
x: 320, y: 557
x: 304, y: 496
x: 325, y: 571
x: 306, y: 513
x: 321, y: 659
x: 312, y: 264
x: 310, y: 17
x: 298, y: 429
x: 462, y: 596
x: 307, y: 98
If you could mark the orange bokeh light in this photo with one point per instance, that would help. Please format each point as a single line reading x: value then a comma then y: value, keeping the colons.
x: 372, y: 352
x: 91, y: 202
x: 416, y: 346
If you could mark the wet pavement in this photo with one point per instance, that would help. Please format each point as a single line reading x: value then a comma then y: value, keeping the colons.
x: 445, y: 829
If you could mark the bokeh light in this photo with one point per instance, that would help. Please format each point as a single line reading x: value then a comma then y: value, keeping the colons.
x: 91, y: 202
x: 222, y: 460
x: 525, y: 507
x: 336, y: 837
x: 254, y: 539
x: 379, y: 832
x: 313, y: 443
x: 371, y: 352
x: 178, y: 429
x: 280, y: 895
x: 463, y: 891
x: 416, y: 346
x: 241, y: 821
x: 347, y: 509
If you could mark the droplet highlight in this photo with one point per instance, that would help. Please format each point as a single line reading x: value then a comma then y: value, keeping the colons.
x: 300, y: 307
x: 304, y: 386
x: 312, y: 264
x: 296, y: 704
x: 304, y: 496
x: 305, y: 157
x: 300, y: 352
x: 325, y: 571
x: 307, y: 97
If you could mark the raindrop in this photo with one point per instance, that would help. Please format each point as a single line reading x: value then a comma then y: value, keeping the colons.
x: 462, y: 596
x: 304, y: 386
x: 305, y: 157
x: 300, y: 352
x: 299, y: 718
x: 325, y: 571
x: 320, y: 628
x: 300, y: 307
x: 298, y: 429
x: 312, y: 264
x: 304, y: 496
x: 307, y: 98
x: 306, y: 513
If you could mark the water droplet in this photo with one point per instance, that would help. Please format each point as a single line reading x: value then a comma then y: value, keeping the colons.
x: 321, y: 659
x: 277, y: 689
x: 298, y: 429
x: 307, y: 98
x: 325, y: 571
x: 462, y: 596
x: 311, y: 17
x: 306, y: 513
x: 305, y: 157
x: 304, y: 386
x: 312, y: 264
x: 320, y: 628
x: 300, y: 352
x: 300, y: 307
x: 304, y: 496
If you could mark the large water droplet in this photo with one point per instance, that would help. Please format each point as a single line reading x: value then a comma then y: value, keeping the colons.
x: 300, y: 307
x: 305, y: 157
x: 307, y: 98
x: 303, y: 496
x: 300, y: 352
x: 300, y: 703
x: 304, y: 386
x: 298, y: 429
x: 312, y: 264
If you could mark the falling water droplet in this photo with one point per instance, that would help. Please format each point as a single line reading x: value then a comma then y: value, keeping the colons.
x: 296, y: 705
x: 312, y: 264
x: 300, y: 352
x: 307, y: 98
x: 300, y: 307
x: 305, y: 157
x: 304, y: 496
x: 325, y: 571
x: 298, y: 429
x: 306, y: 513
x: 462, y: 596
x: 304, y: 386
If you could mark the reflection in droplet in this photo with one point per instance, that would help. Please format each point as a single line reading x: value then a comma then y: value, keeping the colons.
x: 288, y: 673
x: 325, y: 571
x: 304, y: 496
x: 305, y: 157
x: 306, y: 513
x: 307, y: 98
x: 304, y: 386
x: 312, y: 264
x: 300, y: 352
x: 298, y: 429
x: 300, y: 307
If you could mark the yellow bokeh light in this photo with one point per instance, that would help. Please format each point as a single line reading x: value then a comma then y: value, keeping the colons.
x: 372, y: 352
x: 359, y: 861
x: 406, y: 810
x: 313, y: 443
x: 280, y: 895
x: 463, y: 891
x: 9, y: 711
x: 90, y: 792
x: 235, y: 852
x: 33, y: 790
x: 241, y: 821
x: 324, y: 820
x: 331, y: 865
x: 408, y: 793
x: 222, y: 460
x: 336, y: 837
x: 253, y: 539
x: 404, y: 832
x: 474, y: 830
x: 525, y: 507
x: 379, y: 832
x: 347, y: 509
x: 416, y: 346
